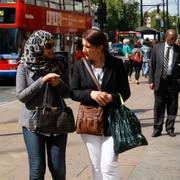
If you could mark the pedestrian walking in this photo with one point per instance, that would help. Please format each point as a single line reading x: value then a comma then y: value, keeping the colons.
x: 38, y: 66
x: 111, y: 75
x: 146, y: 49
x: 163, y: 79
x: 127, y: 51
x: 137, y: 57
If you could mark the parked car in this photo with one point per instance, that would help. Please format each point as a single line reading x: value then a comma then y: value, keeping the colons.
x: 116, y: 49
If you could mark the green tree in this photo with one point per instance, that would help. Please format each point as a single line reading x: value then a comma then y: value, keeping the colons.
x: 95, y: 1
x: 115, y: 11
x: 120, y: 16
x: 129, y: 18
x: 157, y: 23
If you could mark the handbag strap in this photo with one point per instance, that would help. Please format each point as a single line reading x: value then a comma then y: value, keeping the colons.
x: 45, y: 100
x: 121, y: 99
x: 63, y: 103
x: 92, y: 75
x: 45, y: 95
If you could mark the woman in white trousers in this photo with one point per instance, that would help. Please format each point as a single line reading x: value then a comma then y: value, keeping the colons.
x: 103, y: 159
x: 112, y: 77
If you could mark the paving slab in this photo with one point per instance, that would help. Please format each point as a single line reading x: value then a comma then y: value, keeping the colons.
x: 160, y: 160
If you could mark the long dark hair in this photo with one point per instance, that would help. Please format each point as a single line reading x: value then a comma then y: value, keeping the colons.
x: 96, y: 38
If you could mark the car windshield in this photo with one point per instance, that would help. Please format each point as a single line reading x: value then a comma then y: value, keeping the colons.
x: 10, y: 40
x: 118, y: 46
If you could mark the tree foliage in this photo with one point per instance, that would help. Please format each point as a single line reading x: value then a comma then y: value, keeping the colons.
x: 123, y: 17
x: 158, y: 23
x: 120, y: 16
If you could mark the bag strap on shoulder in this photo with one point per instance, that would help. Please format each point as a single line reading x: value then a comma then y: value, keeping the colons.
x: 92, y: 75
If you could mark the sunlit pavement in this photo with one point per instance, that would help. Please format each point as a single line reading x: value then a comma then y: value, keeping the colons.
x: 160, y: 160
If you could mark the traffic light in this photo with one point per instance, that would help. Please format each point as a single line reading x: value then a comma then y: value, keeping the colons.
x: 102, y: 13
x: 158, y: 9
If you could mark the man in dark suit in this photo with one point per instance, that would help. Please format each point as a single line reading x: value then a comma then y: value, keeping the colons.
x: 164, y: 62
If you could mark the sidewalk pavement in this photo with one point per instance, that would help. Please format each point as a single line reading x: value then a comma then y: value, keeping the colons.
x: 160, y: 160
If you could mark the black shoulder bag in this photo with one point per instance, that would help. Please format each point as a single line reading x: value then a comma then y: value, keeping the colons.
x: 53, y: 120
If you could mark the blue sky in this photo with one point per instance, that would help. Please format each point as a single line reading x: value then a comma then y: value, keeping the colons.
x: 172, y: 5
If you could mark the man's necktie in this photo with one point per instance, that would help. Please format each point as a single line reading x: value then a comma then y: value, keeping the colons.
x: 165, y: 63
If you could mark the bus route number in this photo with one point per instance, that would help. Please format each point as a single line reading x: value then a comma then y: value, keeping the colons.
x: 1, y: 12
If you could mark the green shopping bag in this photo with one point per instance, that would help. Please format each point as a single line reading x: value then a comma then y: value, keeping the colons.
x: 125, y: 128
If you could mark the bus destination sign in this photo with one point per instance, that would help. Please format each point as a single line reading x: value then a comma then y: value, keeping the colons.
x: 7, y: 15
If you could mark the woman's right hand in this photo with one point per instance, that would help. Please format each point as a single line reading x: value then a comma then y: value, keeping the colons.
x: 151, y: 86
x: 102, y: 98
x: 50, y: 77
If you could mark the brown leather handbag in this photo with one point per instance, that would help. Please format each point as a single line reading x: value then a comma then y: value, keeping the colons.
x: 90, y: 119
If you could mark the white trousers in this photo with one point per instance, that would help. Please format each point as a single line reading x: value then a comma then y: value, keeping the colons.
x: 103, y: 159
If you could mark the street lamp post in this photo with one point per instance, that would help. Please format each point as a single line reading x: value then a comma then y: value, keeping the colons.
x: 141, y: 8
x: 178, y: 8
x: 177, y: 18
x: 164, y: 22
x: 100, y: 13
x: 167, y: 18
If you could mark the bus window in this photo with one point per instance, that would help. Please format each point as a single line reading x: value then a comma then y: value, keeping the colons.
x: 7, y: 1
x: 62, y: 4
x: 42, y: 3
x: 86, y: 6
x: 30, y: 1
x: 69, y: 5
x: 78, y: 5
x: 54, y: 4
x: 57, y: 43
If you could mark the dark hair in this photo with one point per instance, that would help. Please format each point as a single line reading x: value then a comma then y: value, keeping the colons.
x: 145, y: 42
x: 136, y: 45
x: 78, y: 43
x: 96, y: 38
x: 147, y: 39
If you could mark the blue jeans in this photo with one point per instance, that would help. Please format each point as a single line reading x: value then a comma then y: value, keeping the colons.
x: 145, y: 67
x: 37, y: 145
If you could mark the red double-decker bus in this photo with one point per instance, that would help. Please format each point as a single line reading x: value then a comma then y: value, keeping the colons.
x: 66, y: 19
x: 131, y: 35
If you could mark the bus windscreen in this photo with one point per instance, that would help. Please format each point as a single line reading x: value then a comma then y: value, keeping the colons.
x: 9, y: 38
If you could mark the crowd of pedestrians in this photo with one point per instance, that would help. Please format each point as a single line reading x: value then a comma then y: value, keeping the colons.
x: 144, y: 50
x: 153, y: 65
